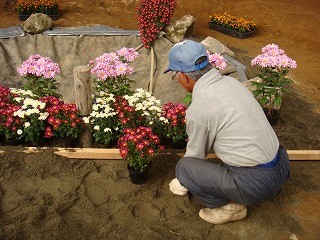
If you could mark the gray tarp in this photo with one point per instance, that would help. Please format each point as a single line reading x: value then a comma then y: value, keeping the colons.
x: 98, y: 30
x: 9, y: 32
x: 74, y: 46
x: 71, y: 51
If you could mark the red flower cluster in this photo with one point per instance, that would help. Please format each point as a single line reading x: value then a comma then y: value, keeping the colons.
x: 153, y: 17
x: 138, y: 145
x: 62, y: 120
x: 128, y: 116
x: 7, y: 108
x: 175, y: 113
x: 175, y: 130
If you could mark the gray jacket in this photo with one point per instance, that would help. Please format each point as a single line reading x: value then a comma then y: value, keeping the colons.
x: 225, y: 116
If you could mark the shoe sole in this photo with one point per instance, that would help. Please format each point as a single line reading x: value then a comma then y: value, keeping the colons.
x: 236, y: 219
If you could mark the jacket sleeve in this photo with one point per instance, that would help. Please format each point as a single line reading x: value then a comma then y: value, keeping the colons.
x: 200, y: 140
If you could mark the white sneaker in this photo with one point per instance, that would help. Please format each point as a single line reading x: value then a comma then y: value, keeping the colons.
x: 177, y: 188
x: 224, y: 214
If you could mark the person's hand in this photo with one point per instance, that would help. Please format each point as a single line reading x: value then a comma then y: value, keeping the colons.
x: 177, y: 188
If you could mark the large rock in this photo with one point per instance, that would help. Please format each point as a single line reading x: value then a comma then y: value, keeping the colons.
x: 215, y: 46
x: 248, y: 84
x: 180, y: 29
x: 37, y: 23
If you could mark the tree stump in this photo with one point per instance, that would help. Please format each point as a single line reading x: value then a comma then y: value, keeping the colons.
x: 82, y: 87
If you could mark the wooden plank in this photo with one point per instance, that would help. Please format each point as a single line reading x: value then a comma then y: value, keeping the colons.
x: 304, y: 154
x: 113, y: 153
x: 81, y: 153
x: 90, y: 153
x: 293, y: 155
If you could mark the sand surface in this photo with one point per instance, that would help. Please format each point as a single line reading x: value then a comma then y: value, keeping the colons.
x: 44, y: 196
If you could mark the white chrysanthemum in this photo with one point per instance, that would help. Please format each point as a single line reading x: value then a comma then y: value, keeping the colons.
x: 93, y: 114
x: 139, y: 106
x: 21, y: 92
x: 18, y: 99
x: 107, y: 109
x: 97, y: 127
x: 95, y: 107
x: 42, y: 105
x: 107, y: 130
x: 19, y: 131
x: 163, y: 119
x: 86, y: 119
x: 98, y: 100
x: 26, y: 124
x: 140, y: 90
x: 20, y: 114
x: 28, y: 101
x: 29, y: 112
x: 43, y: 117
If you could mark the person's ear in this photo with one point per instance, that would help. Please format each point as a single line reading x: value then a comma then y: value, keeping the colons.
x: 185, y: 77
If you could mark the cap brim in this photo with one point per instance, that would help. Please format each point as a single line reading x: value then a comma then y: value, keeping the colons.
x: 168, y: 70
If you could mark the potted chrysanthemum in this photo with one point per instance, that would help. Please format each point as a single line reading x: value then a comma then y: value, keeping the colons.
x: 173, y: 128
x: 274, y: 68
x: 22, y: 116
x: 154, y: 17
x: 137, y: 147
x: 39, y: 73
x: 110, y: 71
x: 103, y: 120
x: 63, y: 122
x: 140, y: 108
x: 9, y: 124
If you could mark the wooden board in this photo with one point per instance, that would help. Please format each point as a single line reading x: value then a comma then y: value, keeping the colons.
x: 113, y: 153
x: 293, y: 155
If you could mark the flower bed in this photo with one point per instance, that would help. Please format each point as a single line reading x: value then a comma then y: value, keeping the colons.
x: 25, y: 8
x: 231, y: 25
x: 230, y: 32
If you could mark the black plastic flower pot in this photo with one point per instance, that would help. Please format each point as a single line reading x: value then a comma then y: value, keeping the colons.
x: 272, y: 115
x: 22, y: 17
x: 136, y: 176
x: 178, y: 145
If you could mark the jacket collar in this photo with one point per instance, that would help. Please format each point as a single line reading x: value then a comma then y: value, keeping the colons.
x: 207, y: 79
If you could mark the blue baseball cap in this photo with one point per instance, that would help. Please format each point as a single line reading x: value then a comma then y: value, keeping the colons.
x: 183, y: 56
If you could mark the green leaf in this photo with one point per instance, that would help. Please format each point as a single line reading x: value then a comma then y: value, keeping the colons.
x: 278, y: 100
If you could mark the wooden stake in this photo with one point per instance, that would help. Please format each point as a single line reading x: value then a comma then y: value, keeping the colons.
x: 138, y: 48
x: 151, y: 70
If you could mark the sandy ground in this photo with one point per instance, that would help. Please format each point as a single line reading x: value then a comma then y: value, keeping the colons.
x: 44, y: 196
